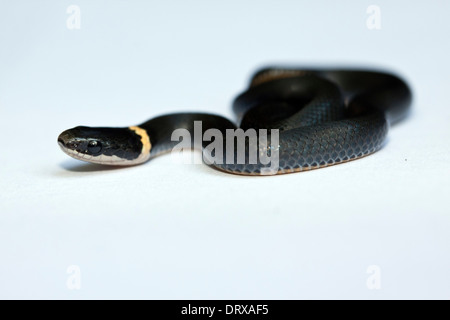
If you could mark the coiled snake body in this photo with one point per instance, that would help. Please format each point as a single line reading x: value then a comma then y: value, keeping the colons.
x: 322, y: 118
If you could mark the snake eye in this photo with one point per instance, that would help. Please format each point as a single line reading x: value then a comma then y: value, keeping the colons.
x: 94, y: 146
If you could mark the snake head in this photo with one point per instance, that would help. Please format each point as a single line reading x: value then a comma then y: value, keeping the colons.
x: 110, y: 146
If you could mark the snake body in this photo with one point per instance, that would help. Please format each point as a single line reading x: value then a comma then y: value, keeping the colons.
x: 322, y: 117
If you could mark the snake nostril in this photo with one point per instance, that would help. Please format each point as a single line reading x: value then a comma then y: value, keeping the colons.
x: 61, y: 141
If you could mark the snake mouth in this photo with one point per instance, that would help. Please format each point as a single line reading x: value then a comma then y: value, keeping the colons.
x: 101, y: 159
x: 67, y: 147
x: 73, y: 153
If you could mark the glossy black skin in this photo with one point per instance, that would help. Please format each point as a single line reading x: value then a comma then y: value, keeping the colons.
x: 121, y: 142
x: 160, y: 129
x: 324, y: 117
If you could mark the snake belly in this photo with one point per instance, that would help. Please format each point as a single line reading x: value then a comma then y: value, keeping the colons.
x: 322, y: 117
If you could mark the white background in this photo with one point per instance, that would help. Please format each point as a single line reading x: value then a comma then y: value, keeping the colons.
x: 166, y: 230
